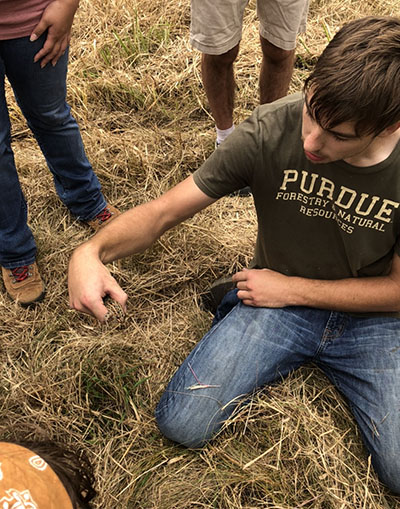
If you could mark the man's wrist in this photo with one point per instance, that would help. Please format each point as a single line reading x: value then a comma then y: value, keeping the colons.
x: 297, y: 294
x: 88, y: 249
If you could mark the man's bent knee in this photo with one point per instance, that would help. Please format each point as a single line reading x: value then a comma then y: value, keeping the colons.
x: 190, y: 419
x: 175, y: 432
x: 182, y: 431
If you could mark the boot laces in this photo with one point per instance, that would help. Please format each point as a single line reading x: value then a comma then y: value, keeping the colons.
x: 104, y: 215
x: 20, y: 273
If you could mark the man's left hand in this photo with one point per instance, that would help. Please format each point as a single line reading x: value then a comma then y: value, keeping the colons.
x: 263, y: 288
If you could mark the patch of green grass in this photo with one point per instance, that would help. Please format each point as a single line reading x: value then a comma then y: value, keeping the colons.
x: 108, y: 392
x: 138, y: 42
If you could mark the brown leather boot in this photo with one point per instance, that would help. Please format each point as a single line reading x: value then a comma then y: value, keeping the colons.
x: 24, y: 284
x: 104, y: 217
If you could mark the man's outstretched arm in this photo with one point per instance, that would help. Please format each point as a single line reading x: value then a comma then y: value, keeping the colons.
x: 267, y: 288
x: 89, y: 281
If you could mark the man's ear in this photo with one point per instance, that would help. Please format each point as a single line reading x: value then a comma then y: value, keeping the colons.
x: 391, y: 129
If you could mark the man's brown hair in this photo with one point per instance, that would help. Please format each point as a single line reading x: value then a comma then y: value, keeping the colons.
x: 357, y: 77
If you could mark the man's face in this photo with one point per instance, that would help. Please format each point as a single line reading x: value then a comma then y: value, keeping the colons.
x: 339, y: 143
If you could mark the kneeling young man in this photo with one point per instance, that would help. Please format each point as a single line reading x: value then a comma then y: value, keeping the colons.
x: 323, y: 168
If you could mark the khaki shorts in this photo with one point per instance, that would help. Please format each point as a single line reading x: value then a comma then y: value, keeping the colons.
x: 216, y: 25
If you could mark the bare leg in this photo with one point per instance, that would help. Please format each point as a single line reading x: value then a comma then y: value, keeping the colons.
x: 219, y: 84
x: 276, y: 71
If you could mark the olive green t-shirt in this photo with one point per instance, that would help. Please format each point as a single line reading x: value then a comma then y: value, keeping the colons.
x: 321, y: 221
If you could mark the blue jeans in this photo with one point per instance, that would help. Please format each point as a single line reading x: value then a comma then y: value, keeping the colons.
x: 250, y: 347
x: 41, y: 95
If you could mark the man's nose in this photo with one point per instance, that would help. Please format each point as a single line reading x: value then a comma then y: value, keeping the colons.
x: 313, y: 140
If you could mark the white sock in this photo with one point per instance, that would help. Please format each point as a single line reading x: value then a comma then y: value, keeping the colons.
x: 222, y: 134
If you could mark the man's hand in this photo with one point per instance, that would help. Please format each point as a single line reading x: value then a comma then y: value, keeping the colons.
x: 57, y: 18
x: 263, y: 288
x: 89, y: 281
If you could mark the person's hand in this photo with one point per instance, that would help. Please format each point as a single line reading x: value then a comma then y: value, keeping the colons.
x: 89, y: 281
x: 57, y: 18
x: 263, y: 288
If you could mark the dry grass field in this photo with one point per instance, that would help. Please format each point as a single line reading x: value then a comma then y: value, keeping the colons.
x: 135, y: 89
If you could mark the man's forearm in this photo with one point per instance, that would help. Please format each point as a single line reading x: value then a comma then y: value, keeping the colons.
x: 137, y: 229
x: 380, y: 294
x: 130, y: 233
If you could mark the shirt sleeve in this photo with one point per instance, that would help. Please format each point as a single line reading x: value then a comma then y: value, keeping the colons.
x: 231, y: 166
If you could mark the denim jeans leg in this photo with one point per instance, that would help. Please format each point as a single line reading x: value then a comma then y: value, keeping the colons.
x: 364, y: 363
x: 17, y: 246
x: 41, y: 95
x: 247, y: 349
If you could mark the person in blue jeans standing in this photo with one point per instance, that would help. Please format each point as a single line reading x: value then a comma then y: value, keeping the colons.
x: 34, y: 39
x: 324, y: 285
